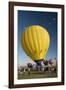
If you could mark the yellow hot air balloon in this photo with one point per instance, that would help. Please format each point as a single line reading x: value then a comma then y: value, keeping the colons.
x: 35, y: 41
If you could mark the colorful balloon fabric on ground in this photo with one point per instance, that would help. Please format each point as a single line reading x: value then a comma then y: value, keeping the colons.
x: 35, y: 41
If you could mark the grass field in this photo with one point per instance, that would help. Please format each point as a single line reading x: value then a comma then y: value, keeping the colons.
x: 37, y: 74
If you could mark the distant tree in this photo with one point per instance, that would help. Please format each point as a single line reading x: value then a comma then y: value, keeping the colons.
x: 29, y: 68
x: 29, y: 65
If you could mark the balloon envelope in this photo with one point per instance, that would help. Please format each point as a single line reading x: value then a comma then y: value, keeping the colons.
x: 35, y: 41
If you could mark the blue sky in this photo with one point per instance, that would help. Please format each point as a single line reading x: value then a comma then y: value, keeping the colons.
x: 45, y: 19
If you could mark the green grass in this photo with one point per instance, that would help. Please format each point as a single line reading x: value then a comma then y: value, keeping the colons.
x: 37, y: 74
